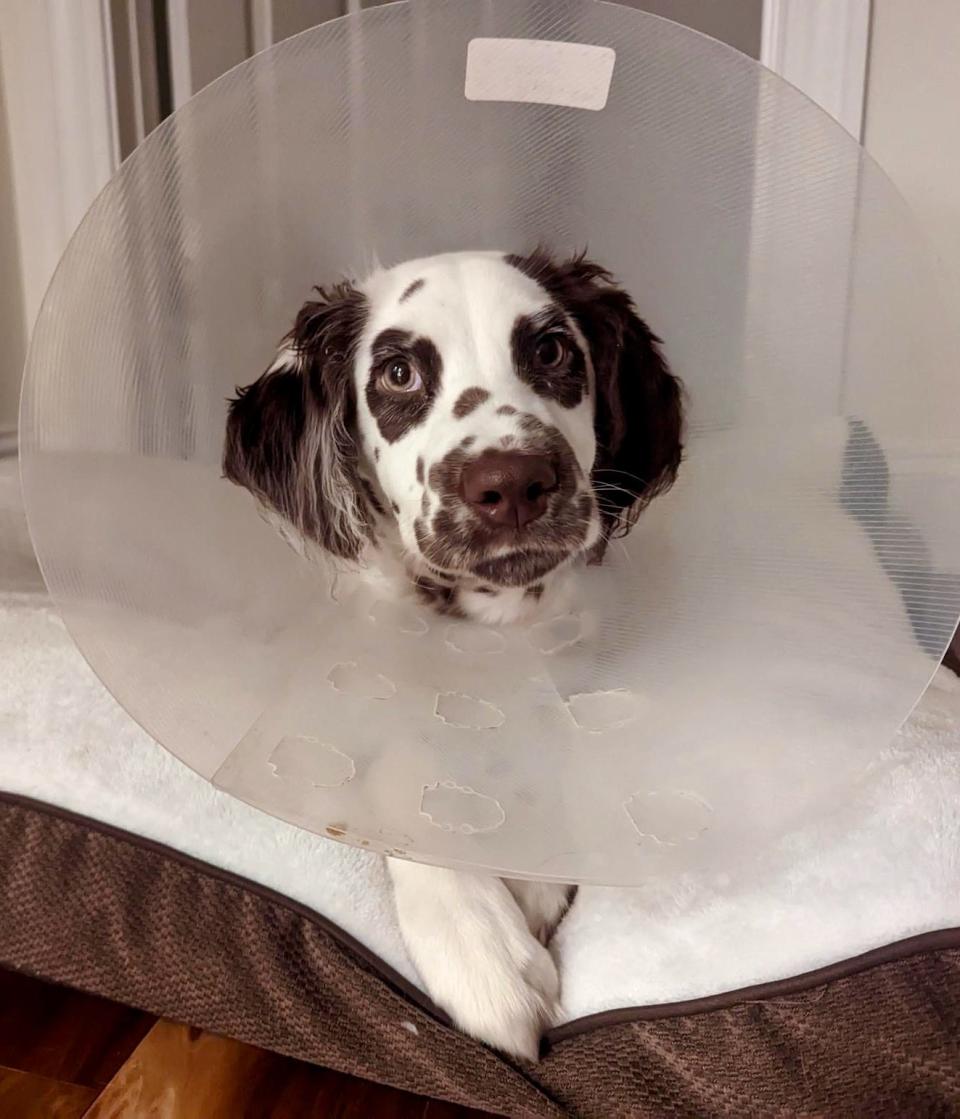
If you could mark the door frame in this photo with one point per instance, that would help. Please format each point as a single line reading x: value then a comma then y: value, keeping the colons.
x: 822, y: 47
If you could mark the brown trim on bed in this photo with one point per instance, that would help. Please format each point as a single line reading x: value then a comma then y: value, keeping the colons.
x: 935, y: 941
x: 399, y: 982
x: 92, y: 907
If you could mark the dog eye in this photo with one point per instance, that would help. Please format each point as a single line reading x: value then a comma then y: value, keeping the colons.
x: 400, y: 376
x: 552, y: 351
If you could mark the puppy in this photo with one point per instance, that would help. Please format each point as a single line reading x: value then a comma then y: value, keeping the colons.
x: 469, y: 428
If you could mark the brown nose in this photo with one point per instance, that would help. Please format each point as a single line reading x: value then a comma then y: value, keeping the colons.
x: 508, y: 488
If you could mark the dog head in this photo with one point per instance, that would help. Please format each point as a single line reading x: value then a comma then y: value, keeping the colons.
x: 496, y: 416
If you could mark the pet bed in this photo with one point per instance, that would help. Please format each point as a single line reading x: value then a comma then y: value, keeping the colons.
x: 827, y: 981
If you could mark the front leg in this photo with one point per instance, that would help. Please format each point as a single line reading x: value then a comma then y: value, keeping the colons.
x: 477, y: 958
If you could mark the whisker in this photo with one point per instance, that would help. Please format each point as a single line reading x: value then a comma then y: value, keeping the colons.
x: 603, y: 488
x: 625, y: 473
x: 632, y: 497
x: 610, y: 486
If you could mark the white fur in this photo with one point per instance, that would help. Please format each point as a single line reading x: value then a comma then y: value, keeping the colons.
x: 543, y: 904
x: 473, y: 946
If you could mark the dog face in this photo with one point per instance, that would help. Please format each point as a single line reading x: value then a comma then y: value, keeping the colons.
x: 496, y: 416
x: 476, y: 416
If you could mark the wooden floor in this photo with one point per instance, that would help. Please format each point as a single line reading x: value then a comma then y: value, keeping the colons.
x: 64, y: 1055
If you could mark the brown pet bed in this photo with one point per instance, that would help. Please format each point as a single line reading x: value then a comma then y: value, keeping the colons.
x: 92, y: 907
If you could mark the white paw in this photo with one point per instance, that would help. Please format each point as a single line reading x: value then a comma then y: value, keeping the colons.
x: 478, y: 960
x: 542, y: 904
x: 508, y: 999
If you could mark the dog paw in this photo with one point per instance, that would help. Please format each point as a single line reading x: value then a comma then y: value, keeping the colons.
x: 511, y: 1005
x: 476, y: 956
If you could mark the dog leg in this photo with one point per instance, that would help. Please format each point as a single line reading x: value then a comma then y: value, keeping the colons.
x: 471, y: 944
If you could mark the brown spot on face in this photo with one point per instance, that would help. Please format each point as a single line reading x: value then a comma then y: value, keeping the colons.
x: 451, y: 530
x: 376, y: 454
x: 397, y: 412
x: 444, y: 476
x: 468, y: 442
x: 506, y: 410
x: 395, y: 507
x: 420, y: 470
x: 535, y: 592
x: 534, y: 342
x: 468, y: 401
x: 412, y: 290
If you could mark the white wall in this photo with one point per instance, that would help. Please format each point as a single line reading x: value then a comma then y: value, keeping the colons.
x: 913, y: 112
x: 13, y: 333
x: 913, y: 131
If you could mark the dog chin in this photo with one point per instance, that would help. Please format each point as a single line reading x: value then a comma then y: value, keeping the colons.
x: 519, y: 568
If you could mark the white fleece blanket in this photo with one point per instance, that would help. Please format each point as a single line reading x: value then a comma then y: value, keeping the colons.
x: 887, y: 867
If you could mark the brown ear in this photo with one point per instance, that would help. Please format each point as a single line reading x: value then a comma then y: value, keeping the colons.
x: 639, y: 411
x: 289, y: 435
x: 638, y: 414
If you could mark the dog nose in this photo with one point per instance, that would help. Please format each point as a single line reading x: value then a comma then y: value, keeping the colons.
x: 508, y: 488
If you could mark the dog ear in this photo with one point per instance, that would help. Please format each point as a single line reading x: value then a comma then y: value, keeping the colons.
x: 289, y: 436
x: 639, y: 409
x: 638, y: 414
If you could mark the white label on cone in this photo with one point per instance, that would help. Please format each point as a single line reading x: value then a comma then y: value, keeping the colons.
x: 576, y: 75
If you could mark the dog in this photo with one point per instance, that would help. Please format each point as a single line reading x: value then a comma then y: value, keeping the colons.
x: 470, y: 428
